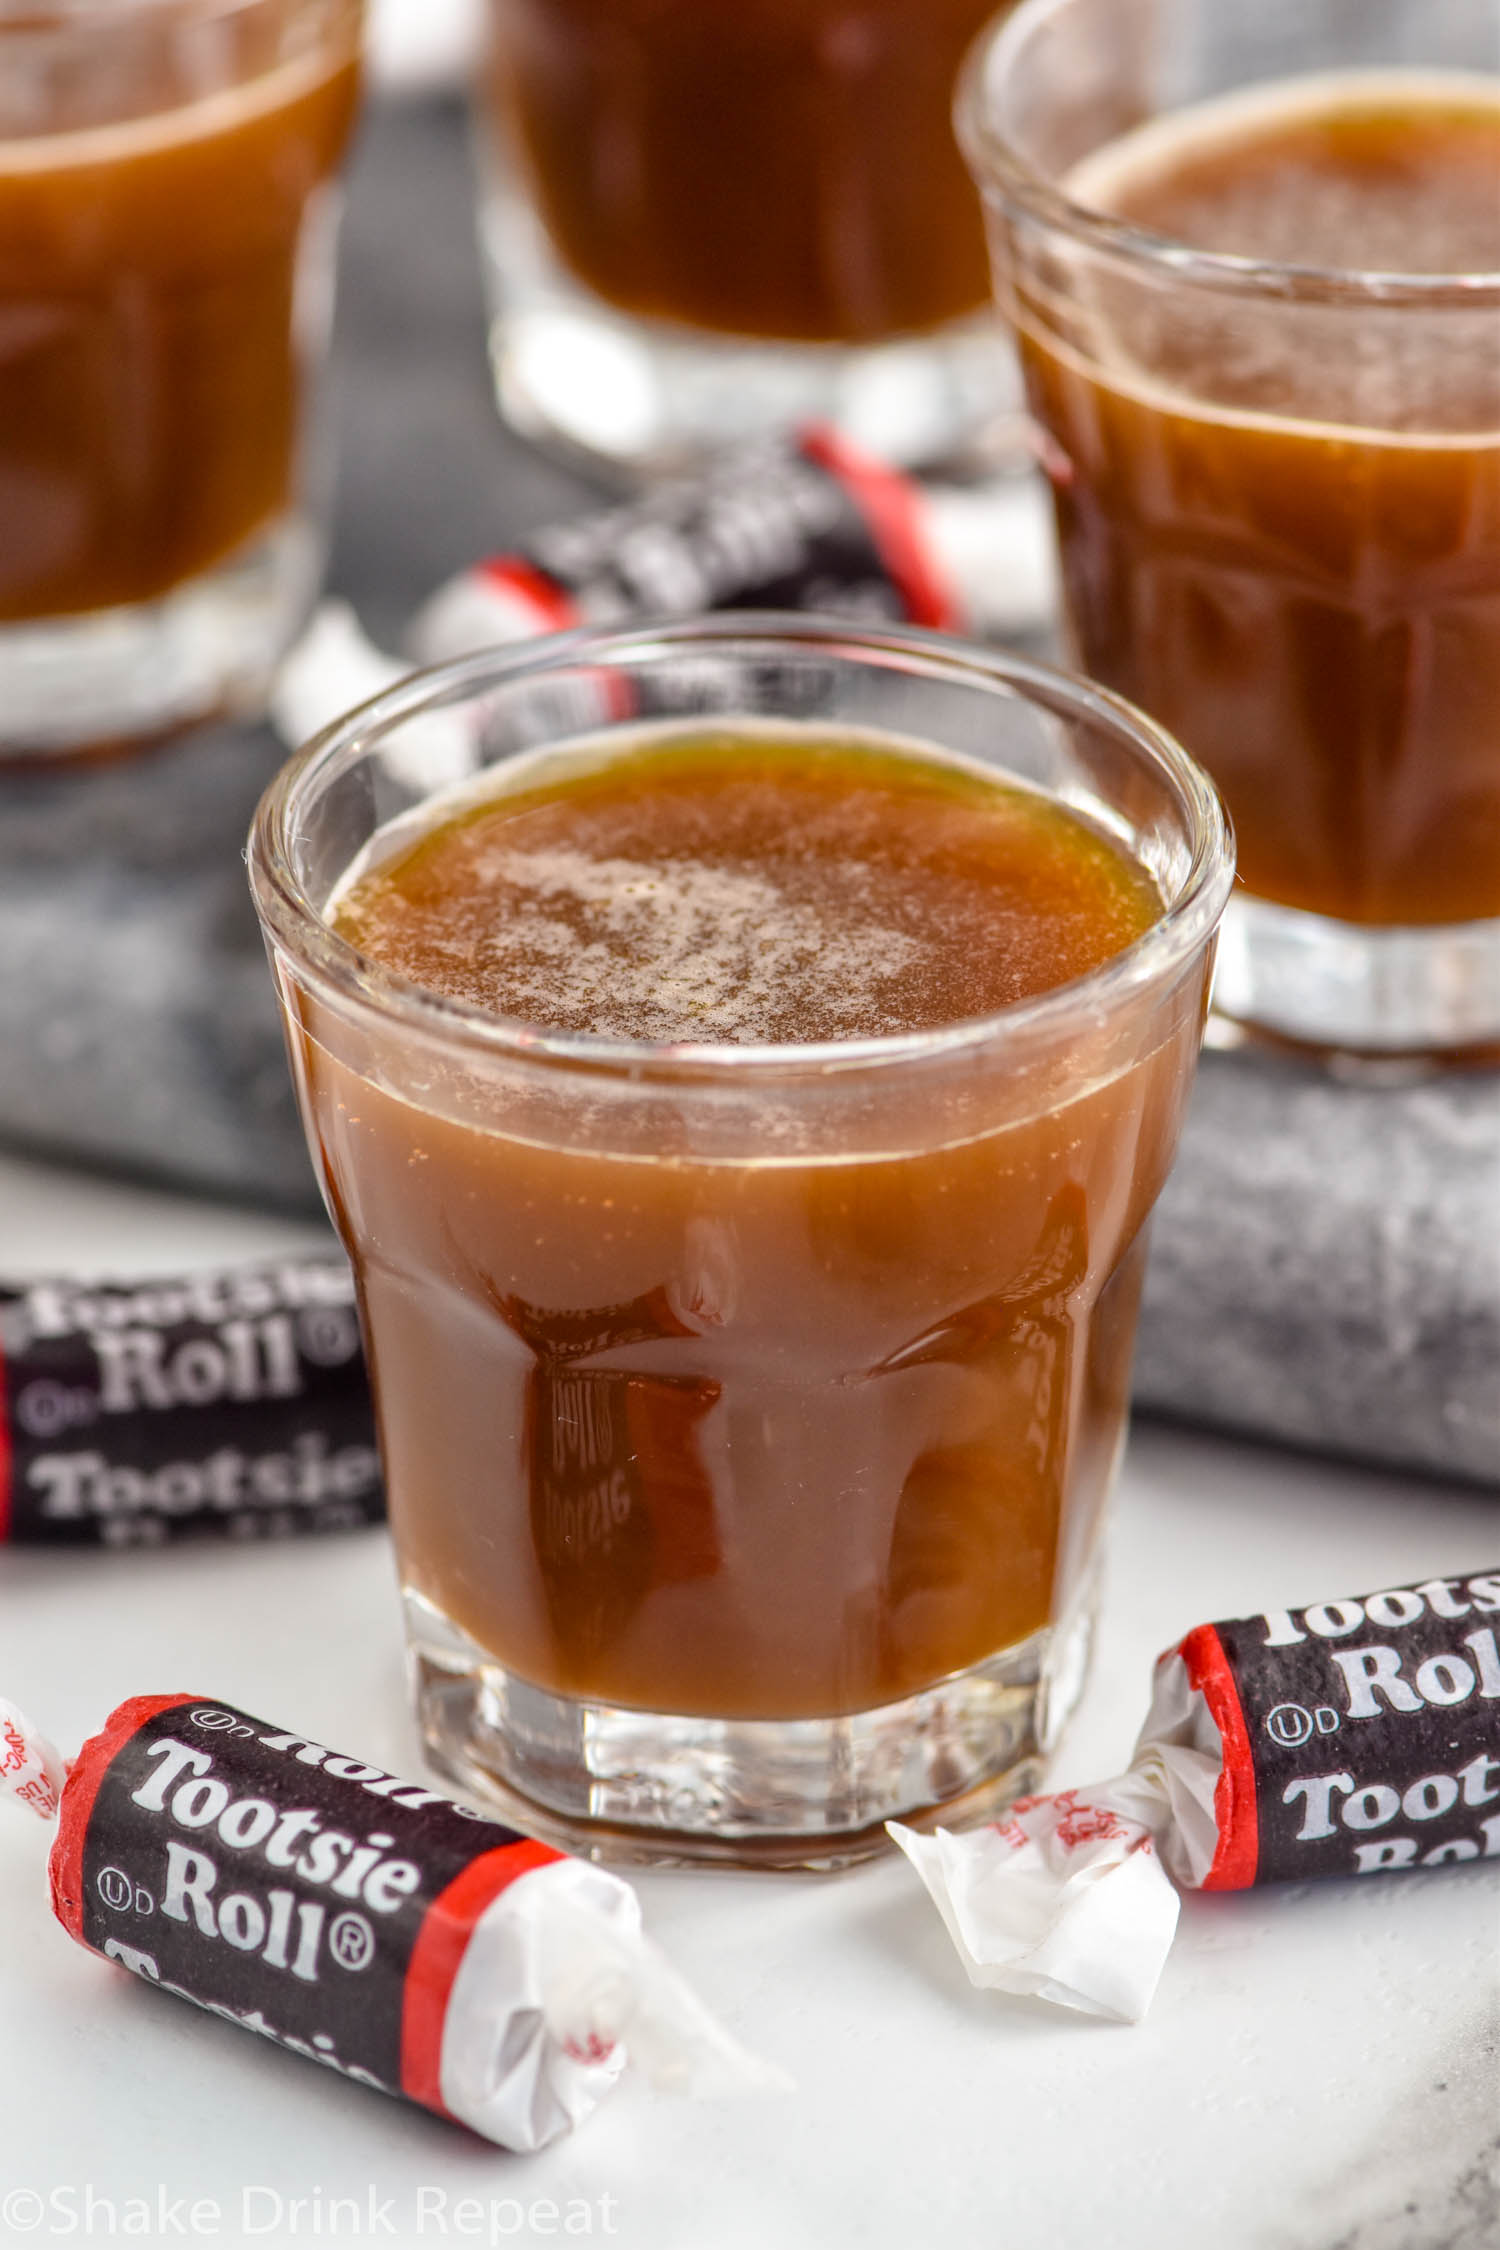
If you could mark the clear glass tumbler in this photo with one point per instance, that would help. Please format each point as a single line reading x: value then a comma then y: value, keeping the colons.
x: 167, y: 215
x: 1277, y: 484
x: 704, y: 222
x: 748, y: 1412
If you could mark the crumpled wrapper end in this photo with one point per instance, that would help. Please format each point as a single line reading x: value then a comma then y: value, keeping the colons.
x: 606, y: 1985
x: 32, y: 1769
x: 1066, y: 1901
x: 519, y: 1999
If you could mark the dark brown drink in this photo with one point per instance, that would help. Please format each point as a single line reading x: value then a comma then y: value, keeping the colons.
x: 151, y: 367
x: 769, y: 168
x: 775, y: 1438
x: 1280, y: 511
x: 750, y: 1320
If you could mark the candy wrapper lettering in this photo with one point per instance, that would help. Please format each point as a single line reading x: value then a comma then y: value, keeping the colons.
x: 1354, y: 1737
x: 232, y: 1402
x: 363, y: 1921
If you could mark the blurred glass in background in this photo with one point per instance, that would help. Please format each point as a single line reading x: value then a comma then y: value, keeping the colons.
x: 1253, y: 261
x: 167, y: 216
x: 705, y: 219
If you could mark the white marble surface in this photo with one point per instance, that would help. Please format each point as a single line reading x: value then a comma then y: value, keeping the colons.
x: 1319, y: 2071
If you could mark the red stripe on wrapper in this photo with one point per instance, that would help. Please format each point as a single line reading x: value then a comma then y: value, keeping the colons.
x: 551, y: 606
x: 1238, y: 1851
x: 65, y: 1866
x: 892, y: 508
x: 440, y: 1946
x: 553, y: 609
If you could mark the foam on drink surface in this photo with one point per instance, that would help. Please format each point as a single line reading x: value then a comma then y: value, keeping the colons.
x: 1376, y: 171
x: 1352, y: 172
x: 752, y: 890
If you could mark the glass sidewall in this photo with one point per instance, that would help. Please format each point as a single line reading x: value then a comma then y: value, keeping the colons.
x: 1369, y: 916
x: 938, y: 1130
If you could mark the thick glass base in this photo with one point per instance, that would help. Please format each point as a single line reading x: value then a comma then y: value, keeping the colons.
x: 111, y: 678
x: 1340, y: 985
x: 656, y: 1788
x: 640, y: 399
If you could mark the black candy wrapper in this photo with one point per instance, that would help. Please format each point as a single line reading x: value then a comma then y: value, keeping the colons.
x: 232, y: 1402
x: 1359, y: 1734
x: 320, y: 1901
x: 1354, y: 1737
x: 360, y: 1919
x: 813, y: 525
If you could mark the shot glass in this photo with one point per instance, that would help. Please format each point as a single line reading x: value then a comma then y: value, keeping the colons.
x: 1277, y: 487
x: 748, y: 1412
x: 702, y: 224
x: 167, y: 215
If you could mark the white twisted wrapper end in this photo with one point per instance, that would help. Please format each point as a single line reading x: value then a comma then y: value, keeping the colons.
x: 32, y: 1769
x: 558, y: 1988
x: 1068, y: 1899
x: 334, y: 667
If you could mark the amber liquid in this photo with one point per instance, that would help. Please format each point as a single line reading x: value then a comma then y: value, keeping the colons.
x: 779, y: 1436
x: 770, y: 168
x: 149, y: 376
x: 1281, y: 527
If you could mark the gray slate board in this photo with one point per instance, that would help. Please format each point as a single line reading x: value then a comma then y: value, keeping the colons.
x: 1326, y: 1268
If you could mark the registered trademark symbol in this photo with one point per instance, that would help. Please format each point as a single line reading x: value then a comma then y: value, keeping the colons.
x: 328, y: 1335
x: 352, y: 1942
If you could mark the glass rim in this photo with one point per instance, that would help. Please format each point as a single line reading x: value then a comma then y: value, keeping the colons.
x: 292, y: 923
x: 1000, y: 171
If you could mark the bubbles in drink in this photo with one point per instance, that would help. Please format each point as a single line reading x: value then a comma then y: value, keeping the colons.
x: 1373, y: 171
x: 798, y: 889
x: 625, y: 946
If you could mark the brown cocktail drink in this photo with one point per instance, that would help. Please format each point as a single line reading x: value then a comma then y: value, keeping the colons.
x: 148, y: 423
x: 164, y: 274
x: 779, y: 168
x: 705, y: 222
x: 762, y: 1366
x: 687, y: 1353
x: 1267, y: 359
x: 1312, y: 603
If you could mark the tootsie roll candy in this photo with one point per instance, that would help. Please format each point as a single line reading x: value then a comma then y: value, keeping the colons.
x: 804, y: 523
x: 232, y: 1401
x: 364, y: 1921
x: 1353, y: 1737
